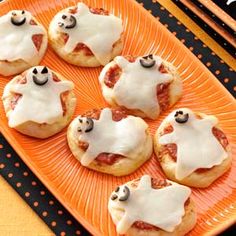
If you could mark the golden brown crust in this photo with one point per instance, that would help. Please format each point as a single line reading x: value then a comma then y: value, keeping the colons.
x: 197, y: 179
x: 15, y: 67
x: 187, y: 224
x: 122, y: 166
x: 78, y: 58
x: 34, y: 129
x: 175, y: 90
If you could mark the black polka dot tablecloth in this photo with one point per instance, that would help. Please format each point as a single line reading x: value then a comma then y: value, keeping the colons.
x: 20, y: 177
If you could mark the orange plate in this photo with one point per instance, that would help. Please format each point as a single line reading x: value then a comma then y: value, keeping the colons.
x: 84, y: 192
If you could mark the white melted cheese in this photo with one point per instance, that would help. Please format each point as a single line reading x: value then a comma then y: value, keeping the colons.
x: 197, y: 147
x: 137, y: 86
x: 16, y: 41
x: 41, y: 104
x: 163, y: 208
x: 98, y: 32
x: 122, y: 137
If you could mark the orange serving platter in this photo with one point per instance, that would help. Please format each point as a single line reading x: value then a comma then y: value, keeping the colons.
x: 84, y: 192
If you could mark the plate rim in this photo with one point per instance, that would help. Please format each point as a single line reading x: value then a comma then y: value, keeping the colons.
x: 16, y: 146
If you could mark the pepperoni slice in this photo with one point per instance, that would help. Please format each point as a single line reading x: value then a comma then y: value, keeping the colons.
x: 37, y: 40
x: 104, y: 158
x: 156, y: 184
x: 171, y: 148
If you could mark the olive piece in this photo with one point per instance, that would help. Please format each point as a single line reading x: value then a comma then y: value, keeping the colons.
x: 40, y: 82
x: 126, y: 194
x: 147, y: 61
x: 180, y: 117
x: 16, y: 22
x: 73, y: 23
x: 89, y: 123
x: 114, y: 197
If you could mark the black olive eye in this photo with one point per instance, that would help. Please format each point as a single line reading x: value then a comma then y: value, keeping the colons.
x: 44, y: 70
x: 117, y: 189
x: 114, y: 197
x: 80, y: 120
x: 126, y: 195
x: 64, y: 17
x: 79, y: 130
x: 60, y: 24
x: 23, y: 12
x: 147, y: 61
x: 13, y: 13
x: 35, y: 71
x: 180, y: 117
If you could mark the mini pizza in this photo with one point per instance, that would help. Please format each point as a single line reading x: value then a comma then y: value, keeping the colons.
x: 86, y: 36
x: 191, y: 148
x: 39, y: 102
x: 144, y: 86
x: 153, y: 207
x: 23, y: 42
x: 109, y: 141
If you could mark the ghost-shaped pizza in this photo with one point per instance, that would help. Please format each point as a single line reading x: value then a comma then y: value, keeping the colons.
x: 39, y: 102
x: 150, y: 206
x: 109, y: 141
x: 23, y: 42
x: 144, y: 86
x: 86, y: 36
x: 191, y: 148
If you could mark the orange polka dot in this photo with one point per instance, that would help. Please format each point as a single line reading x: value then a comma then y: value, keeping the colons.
x: 166, y: 25
x: 196, y: 38
x: 25, y: 173
x: 199, y: 56
x: 204, y: 45
x: 17, y: 164
x: 221, y: 61
x: 226, y: 80
x: 62, y: 234
x: 44, y: 213
x: 27, y: 194
x: 182, y: 40
x: 36, y: 204
x: 54, y: 223
x: 213, y: 54
x: 2, y: 166
x: 174, y: 33
x: 69, y: 222
x: 60, y: 212
x: 170, y: 15
x: 234, y: 88
x: 150, y: 11
x: 18, y: 184
x: 191, y: 48
x: 34, y: 183
x: 8, y: 155
x: 42, y: 192
x: 158, y: 18
x: 162, y: 8
x: 208, y: 64
x: 187, y: 30
x: 77, y: 232
x: 10, y: 175
x: 230, y: 69
x: 217, y: 72
x: 1, y: 146
x: 51, y: 202
x: 179, y: 23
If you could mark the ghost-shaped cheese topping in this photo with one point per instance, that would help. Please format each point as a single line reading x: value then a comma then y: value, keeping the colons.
x: 163, y: 208
x: 197, y: 147
x: 40, y: 101
x: 124, y: 137
x: 98, y: 32
x: 16, y: 37
x: 137, y: 86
